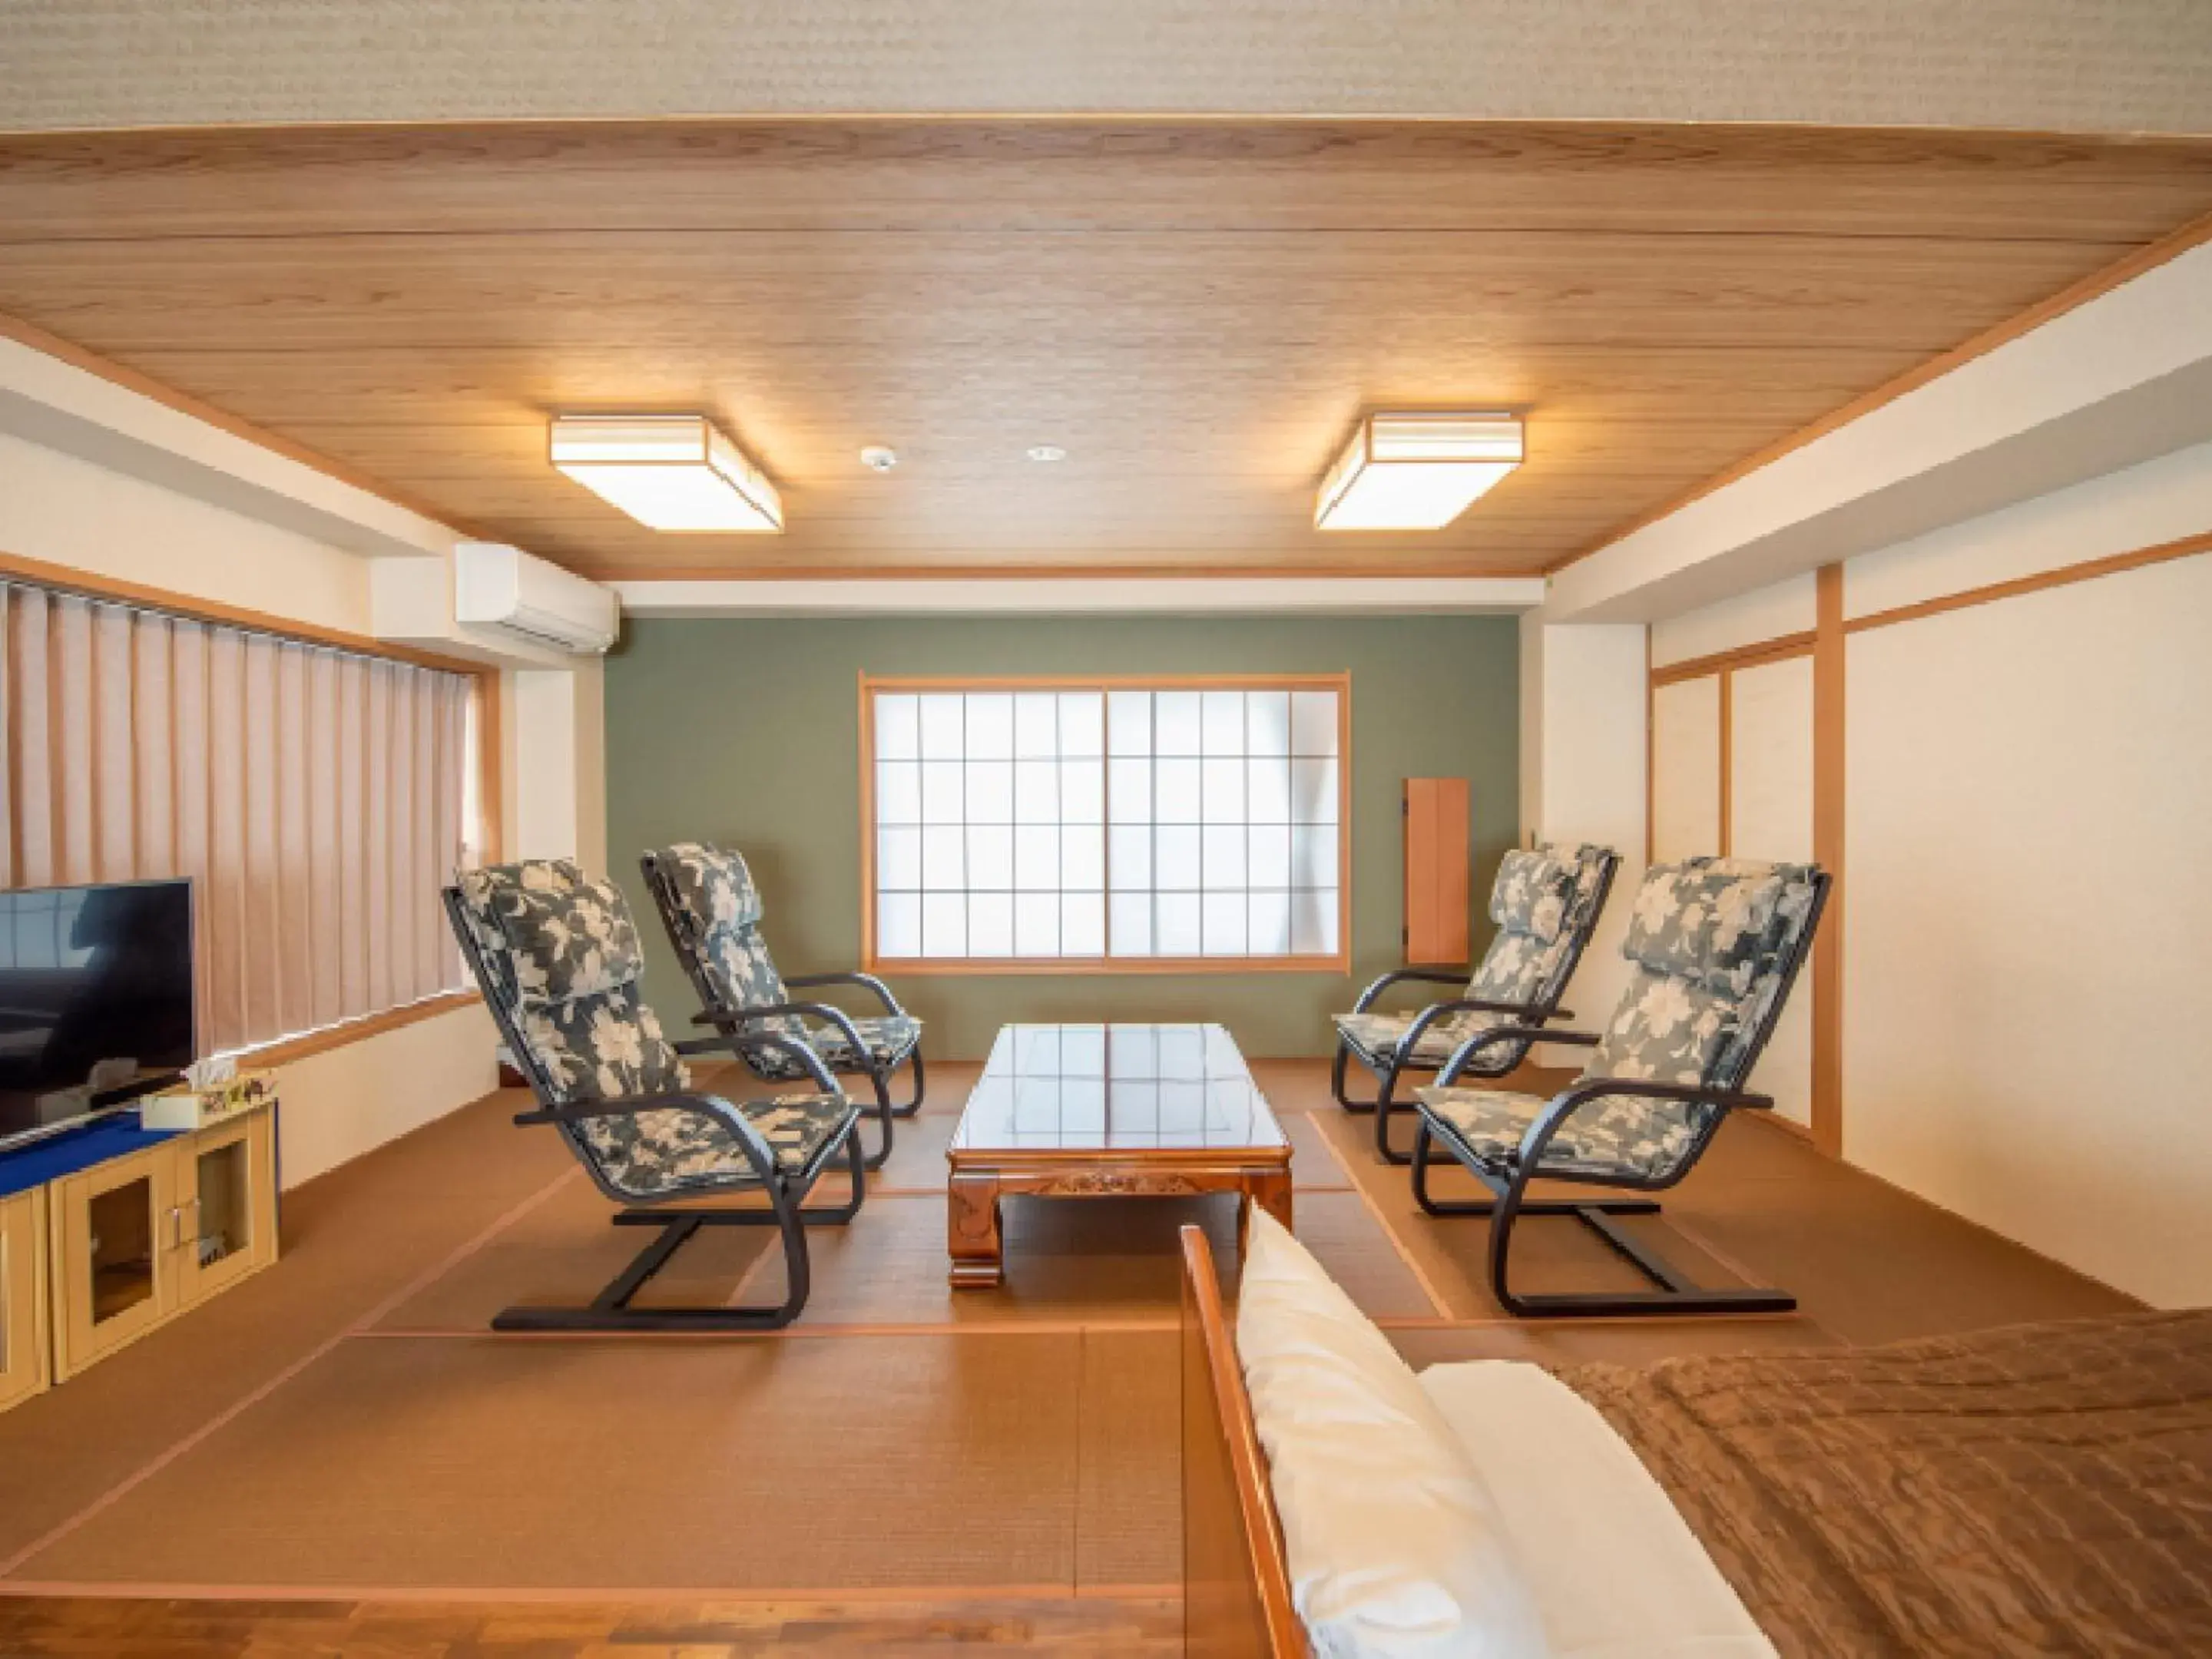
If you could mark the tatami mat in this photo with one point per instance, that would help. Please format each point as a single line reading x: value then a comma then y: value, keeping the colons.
x: 351, y: 1238
x: 346, y: 1423
x: 481, y: 1462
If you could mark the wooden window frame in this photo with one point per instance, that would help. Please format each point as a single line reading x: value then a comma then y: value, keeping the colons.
x: 1338, y: 962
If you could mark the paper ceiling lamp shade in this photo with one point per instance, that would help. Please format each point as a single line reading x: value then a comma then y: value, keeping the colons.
x: 673, y: 472
x: 1416, y: 471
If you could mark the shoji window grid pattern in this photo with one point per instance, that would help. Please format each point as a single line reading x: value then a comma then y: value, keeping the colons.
x: 1139, y: 825
x: 316, y: 797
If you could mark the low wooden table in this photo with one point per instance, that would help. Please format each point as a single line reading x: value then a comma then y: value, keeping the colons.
x: 1108, y: 1111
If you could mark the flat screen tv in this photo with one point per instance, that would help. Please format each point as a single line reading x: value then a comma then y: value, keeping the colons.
x: 95, y: 1001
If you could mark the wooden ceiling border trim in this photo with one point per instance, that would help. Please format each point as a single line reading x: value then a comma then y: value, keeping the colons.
x: 1780, y: 648
x: 1370, y: 570
x: 131, y: 380
x: 2065, y: 575
x: 2147, y: 258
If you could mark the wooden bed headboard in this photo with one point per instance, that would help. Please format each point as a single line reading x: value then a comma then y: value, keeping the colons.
x: 1235, y: 1581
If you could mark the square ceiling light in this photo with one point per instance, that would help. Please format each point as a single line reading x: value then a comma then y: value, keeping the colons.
x: 668, y: 471
x: 1416, y: 471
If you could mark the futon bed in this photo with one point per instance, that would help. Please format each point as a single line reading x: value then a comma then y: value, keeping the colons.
x: 2041, y: 1489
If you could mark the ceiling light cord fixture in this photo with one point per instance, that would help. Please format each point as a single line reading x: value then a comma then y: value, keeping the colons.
x: 672, y: 472
x: 1416, y: 471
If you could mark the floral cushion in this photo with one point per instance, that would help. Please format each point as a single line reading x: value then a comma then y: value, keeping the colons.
x: 1531, y: 895
x: 1713, y: 941
x: 889, y: 1040
x: 1706, y: 920
x: 542, y: 925
x: 742, y: 974
x: 666, y: 1152
x: 718, y: 909
x: 565, y: 936
x: 1667, y: 1029
x: 1612, y: 1136
x: 713, y: 883
x: 1545, y: 904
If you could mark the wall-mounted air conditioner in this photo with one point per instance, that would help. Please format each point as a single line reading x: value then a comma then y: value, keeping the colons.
x: 505, y: 589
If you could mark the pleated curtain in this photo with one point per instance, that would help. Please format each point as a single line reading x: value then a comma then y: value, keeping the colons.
x: 315, y: 797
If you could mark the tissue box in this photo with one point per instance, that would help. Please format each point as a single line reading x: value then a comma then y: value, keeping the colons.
x: 196, y: 1108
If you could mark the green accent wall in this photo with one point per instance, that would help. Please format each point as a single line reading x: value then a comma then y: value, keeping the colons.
x: 748, y: 732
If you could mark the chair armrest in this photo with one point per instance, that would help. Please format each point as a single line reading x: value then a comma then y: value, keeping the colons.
x: 1428, y: 976
x: 757, y: 1152
x: 851, y: 977
x: 1590, y: 1088
x: 723, y: 1018
x: 735, y: 1041
x: 1467, y: 1050
x: 1564, y: 1104
x: 1435, y: 1010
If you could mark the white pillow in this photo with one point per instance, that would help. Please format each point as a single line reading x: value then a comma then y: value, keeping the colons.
x: 1394, y: 1545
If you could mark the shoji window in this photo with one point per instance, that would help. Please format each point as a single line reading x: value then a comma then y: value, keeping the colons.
x: 1106, y: 824
x: 316, y: 797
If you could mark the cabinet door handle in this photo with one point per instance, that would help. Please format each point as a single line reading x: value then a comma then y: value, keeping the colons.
x: 176, y: 1226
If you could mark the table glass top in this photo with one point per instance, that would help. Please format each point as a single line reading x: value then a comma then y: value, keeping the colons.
x: 1077, y: 1088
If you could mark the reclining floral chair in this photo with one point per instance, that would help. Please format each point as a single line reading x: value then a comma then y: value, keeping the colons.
x: 556, y: 957
x: 1717, y: 944
x: 1546, y: 903
x: 712, y: 911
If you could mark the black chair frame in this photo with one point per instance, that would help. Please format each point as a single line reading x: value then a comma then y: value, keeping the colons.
x: 739, y: 1025
x: 1402, y: 1057
x: 610, y: 1311
x: 1508, y: 1178
x: 1403, y: 1060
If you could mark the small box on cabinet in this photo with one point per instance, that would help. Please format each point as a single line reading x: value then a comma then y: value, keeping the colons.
x: 188, y: 1107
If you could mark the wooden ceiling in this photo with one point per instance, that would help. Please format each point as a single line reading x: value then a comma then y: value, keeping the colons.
x: 1196, y: 311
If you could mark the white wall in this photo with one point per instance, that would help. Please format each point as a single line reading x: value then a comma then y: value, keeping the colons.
x: 2027, y: 906
x: 64, y: 510
x: 1686, y: 769
x: 2028, y: 957
x: 1582, y: 742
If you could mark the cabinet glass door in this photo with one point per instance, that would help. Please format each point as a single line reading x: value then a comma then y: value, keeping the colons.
x: 226, y: 1203
x: 120, y: 1253
x: 220, y: 1206
x: 113, y: 1230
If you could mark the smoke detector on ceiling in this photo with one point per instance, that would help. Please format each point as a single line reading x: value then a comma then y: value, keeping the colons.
x: 877, y: 458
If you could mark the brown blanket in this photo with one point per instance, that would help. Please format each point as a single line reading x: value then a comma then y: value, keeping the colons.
x: 2045, y: 1489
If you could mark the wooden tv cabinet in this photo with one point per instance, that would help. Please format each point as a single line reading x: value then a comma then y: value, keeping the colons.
x: 151, y: 1226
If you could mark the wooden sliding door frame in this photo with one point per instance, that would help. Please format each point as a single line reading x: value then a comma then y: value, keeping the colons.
x: 1825, y: 643
x: 1338, y: 962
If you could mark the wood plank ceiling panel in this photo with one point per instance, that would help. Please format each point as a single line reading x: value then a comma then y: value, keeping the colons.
x: 1197, y: 312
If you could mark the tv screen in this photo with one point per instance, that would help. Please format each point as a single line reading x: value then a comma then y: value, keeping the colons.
x: 95, y: 1000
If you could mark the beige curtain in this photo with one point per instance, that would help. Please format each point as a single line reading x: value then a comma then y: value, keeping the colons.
x: 313, y: 796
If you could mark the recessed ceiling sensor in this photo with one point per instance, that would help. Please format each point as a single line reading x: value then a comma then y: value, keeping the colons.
x: 879, y: 458
x: 1047, y: 453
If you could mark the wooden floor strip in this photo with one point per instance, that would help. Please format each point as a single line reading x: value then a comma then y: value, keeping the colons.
x: 99, y: 1591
